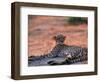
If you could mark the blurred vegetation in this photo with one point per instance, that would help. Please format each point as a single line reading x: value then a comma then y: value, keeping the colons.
x: 77, y: 20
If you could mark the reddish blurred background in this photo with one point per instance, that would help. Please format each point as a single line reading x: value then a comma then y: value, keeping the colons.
x: 42, y: 29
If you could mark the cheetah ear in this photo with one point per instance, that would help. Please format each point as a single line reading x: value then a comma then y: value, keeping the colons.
x: 54, y: 38
x: 64, y: 36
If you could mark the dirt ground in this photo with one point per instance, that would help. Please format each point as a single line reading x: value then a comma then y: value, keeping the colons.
x: 42, y: 29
